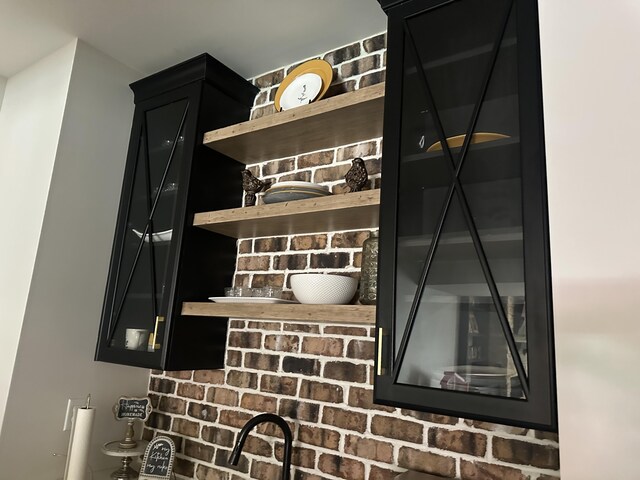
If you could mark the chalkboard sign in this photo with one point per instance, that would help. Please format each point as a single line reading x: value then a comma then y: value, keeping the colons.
x: 132, y: 408
x: 158, y: 459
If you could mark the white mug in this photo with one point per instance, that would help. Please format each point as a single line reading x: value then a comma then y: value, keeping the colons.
x: 136, y: 338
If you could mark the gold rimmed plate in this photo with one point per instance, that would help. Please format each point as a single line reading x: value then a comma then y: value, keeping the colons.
x: 458, y: 140
x: 305, y: 84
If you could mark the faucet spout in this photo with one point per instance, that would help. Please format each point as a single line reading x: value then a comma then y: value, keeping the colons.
x: 234, y: 458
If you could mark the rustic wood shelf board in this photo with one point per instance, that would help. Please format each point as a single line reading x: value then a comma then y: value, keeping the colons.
x: 347, y: 118
x: 349, y: 314
x: 349, y: 211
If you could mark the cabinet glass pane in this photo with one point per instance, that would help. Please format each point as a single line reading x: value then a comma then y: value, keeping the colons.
x: 145, y: 257
x: 460, y: 300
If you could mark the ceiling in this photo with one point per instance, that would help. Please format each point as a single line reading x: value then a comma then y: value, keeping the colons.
x: 250, y: 36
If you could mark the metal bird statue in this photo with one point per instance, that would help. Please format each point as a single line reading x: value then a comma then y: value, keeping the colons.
x: 252, y: 185
x: 357, y: 175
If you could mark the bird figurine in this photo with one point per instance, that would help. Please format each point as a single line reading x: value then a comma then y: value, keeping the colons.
x: 252, y: 185
x: 357, y: 175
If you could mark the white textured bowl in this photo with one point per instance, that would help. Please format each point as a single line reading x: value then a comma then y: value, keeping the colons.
x: 321, y: 288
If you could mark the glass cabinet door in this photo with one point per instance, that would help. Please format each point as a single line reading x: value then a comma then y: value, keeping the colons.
x: 459, y: 289
x: 140, y: 295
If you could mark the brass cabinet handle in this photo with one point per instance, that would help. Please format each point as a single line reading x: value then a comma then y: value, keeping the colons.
x: 379, y: 369
x: 156, y: 346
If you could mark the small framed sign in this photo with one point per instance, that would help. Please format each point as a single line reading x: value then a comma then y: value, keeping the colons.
x: 158, y: 459
x: 132, y: 408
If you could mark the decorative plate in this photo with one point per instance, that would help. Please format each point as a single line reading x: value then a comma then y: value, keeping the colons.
x: 308, y: 73
x: 290, y: 191
x: 458, y: 140
x: 249, y: 300
x: 164, y: 236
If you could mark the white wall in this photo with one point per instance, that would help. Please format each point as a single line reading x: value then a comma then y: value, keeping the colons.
x: 30, y: 121
x: 591, y: 73
x: 55, y: 356
x: 3, y: 83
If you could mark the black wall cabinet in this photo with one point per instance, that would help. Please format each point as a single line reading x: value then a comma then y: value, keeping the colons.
x: 159, y: 260
x: 464, y: 313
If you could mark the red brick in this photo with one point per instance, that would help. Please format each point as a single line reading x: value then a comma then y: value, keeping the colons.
x: 258, y: 403
x: 265, y: 471
x: 186, y: 427
x: 326, y: 347
x: 208, y: 473
x: 191, y: 390
x: 279, y: 384
x: 262, y: 361
x: 361, y: 349
x: 268, y: 279
x: 198, y: 450
x: 329, y: 260
x: 346, y: 419
x: 397, y: 429
x: 309, y: 242
x: 363, y: 398
x: 209, y: 376
x: 278, y: 166
x: 257, y: 446
x: 253, y: 263
x: 526, y: 453
x: 308, y: 412
x: 349, y: 239
x: 360, y: 66
x: 270, y: 244
x: 269, y: 79
x: 458, y: 441
x: 323, y: 392
x: 496, y: 427
x: 368, y: 448
x: 162, y: 385
x: 172, y: 405
x: 379, y: 42
x: 240, y: 379
x: 377, y: 473
x: 183, y: 467
x: 182, y: 375
x: 218, y: 436
x: 245, y: 246
x: 202, y: 411
x: 346, y: 371
x: 426, y: 462
x: 320, y: 437
x: 301, y: 327
x: 486, y: 471
x: 430, y: 417
x: 340, y: 466
x: 233, y: 418
x: 234, y: 358
x: 282, y: 343
x: 245, y: 339
x: 309, y: 160
x: 300, y: 457
x: 342, y: 330
x: 222, y: 396
x: 273, y: 326
x: 305, y: 366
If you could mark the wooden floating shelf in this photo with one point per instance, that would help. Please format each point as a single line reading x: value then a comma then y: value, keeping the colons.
x: 349, y: 314
x: 348, y: 118
x: 349, y: 211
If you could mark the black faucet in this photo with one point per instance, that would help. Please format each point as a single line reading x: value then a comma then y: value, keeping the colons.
x: 262, y: 418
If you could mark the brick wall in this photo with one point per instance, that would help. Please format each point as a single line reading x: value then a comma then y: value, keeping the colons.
x: 319, y: 377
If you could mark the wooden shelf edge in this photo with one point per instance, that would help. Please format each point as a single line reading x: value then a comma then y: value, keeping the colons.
x: 347, y: 314
x: 296, y: 114
x: 350, y: 211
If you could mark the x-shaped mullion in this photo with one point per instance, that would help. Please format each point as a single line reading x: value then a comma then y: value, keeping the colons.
x: 456, y: 188
x: 148, y: 226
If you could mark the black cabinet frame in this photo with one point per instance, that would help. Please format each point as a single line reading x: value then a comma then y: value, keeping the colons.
x: 539, y: 408
x: 199, y: 263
